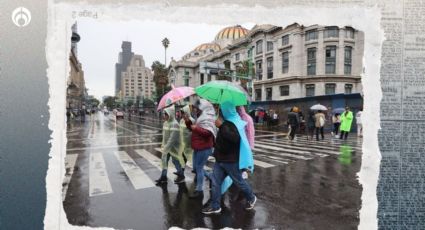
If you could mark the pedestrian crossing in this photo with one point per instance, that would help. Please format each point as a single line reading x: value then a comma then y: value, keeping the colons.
x: 141, y: 164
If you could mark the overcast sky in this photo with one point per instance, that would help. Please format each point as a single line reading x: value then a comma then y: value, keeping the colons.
x: 101, y: 42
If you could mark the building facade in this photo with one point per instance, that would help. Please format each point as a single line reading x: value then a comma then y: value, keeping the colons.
x: 136, y: 80
x: 284, y: 63
x: 76, y: 89
x: 124, y: 58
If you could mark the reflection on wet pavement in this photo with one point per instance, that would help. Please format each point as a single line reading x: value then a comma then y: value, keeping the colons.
x: 301, y: 184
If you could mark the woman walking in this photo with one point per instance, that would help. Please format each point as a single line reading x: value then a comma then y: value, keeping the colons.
x: 346, y: 120
x: 320, y: 123
x: 186, y: 135
x: 202, y: 140
x: 336, y: 120
x: 171, y: 146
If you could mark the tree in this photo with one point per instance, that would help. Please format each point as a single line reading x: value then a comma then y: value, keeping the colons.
x: 130, y: 103
x: 148, y: 102
x: 94, y: 102
x: 109, y: 102
x: 160, y: 77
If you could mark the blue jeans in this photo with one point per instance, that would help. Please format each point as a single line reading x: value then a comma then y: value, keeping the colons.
x: 200, y: 159
x: 176, y: 164
x: 221, y: 170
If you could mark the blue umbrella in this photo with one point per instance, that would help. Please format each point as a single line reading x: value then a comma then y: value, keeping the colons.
x: 338, y: 110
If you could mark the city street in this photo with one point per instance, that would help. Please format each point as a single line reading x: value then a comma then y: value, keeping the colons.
x: 111, y: 167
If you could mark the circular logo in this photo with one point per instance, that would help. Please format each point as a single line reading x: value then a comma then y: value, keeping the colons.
x: 21, y: 16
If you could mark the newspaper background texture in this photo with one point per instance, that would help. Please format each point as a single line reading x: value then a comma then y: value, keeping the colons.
x: 401, y: 137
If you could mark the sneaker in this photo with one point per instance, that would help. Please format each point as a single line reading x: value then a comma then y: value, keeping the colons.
x: 161, y: 180
x: 250, y: 204
x: 210, y: 210
x: 179, y: 179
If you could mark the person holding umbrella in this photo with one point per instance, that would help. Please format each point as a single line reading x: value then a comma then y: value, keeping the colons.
x: 346, y: 120
x: 171, y: 146
x: 202, y: 141
x: 320, y: 123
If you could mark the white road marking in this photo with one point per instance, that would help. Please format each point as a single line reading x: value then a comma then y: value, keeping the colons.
x: 70, y: 161
x: 155, y: 161
x: 98, y: 177
x: 113, y: 146
x: 271, y: 135
x: 277, y: 159
x: 205, y: 167
x: 287, y: 154
x: 289, y: 146
x: 138, y: 178
x: 286, y: 151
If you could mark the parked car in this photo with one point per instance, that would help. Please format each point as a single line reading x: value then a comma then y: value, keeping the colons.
x: 119, y: 114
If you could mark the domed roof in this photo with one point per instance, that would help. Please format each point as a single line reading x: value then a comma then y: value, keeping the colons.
x: 232, y: 32
x: 207, y: 46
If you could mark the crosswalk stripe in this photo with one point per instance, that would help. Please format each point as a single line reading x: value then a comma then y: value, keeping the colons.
x: 150, y: 128
x: 295, y: 143
x: 286, y: 151
x: 324, y: 143
x: 70, y: 161
x: 138, y: 178
x: 112, y: 146
x: 263, y: 164
x: 277, y: 159
x: 206, y: 167
x: 309, y: 149
x: 98, y: 177
x: 155, y: 161
x: 271, y: 135
x: 285, y: 154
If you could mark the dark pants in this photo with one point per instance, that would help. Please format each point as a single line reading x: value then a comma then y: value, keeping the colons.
x: 321, y: 133
x: 221, y: 170
x: 293, y: 130
x: 344, y: 133
x: 336, y: 128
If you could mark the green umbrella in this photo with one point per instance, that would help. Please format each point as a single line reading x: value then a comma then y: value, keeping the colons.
x: 218, y: 92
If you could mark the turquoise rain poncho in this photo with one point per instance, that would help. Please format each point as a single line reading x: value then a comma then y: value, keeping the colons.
x: 171, y: 142
x: 186, y: 134
x: 246, y: 159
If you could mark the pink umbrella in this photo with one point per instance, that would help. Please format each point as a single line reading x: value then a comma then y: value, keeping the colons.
x: 175, y: 94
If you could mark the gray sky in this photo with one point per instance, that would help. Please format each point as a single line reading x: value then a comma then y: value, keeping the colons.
x: 101, y: 42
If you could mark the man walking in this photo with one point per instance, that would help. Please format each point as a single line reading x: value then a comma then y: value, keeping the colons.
x: 293, y: 122
x: 359, y: 123
x: 231, y: 139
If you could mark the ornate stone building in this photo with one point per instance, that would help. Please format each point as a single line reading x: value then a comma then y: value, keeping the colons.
x: 292, y: 62
x: 76, y: 90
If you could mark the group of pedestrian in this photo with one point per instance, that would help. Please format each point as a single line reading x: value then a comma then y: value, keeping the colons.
x: 316, y: 121
x: 225, y: 133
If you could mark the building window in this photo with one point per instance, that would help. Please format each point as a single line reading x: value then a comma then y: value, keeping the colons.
x: 259, y: 69
x: 202, y: 78
x: 331, y: 32
x: 269, y: 68
x: 309, y: 90
x: 186, y: 82
x: 209, y: 77
x: 348, y: 88
x: 330, y: 88
x: 285, y: 62
x: 269, y: 46
x: 285, y: 40
x: 347, y: 60
x: 237, y: 56
x: 268, y: 94
x: 349, y: 32
x: 196, y: 54
x: 311, y: 35
x: 258, y: 94
x: 330, y: 59
x: 284, y: 90
x: 311, y: 61
x: 259, y: 47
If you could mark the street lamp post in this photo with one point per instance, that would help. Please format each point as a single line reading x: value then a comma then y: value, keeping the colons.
x: 165, y: 43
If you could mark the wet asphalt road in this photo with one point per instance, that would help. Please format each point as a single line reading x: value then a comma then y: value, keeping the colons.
x: 111, y: 166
